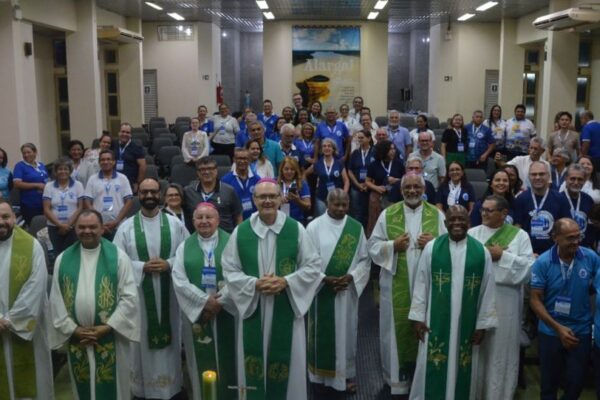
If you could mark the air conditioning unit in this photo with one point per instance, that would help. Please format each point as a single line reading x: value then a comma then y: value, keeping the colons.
x: 119, y: 35
x: 571, y: 18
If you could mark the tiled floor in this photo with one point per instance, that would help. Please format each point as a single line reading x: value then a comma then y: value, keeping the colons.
x: 369, y: 379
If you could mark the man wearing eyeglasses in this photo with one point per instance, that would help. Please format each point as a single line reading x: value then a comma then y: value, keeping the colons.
x: 150, y: 239
x: 210, y: 190
x: 561, y: 281
x: 434, y: 165
x: 512, y: 257
x: 272, y: 270
x: 580, y: 203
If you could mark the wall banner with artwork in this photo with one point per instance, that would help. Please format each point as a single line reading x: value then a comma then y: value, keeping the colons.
x: 326, y: 63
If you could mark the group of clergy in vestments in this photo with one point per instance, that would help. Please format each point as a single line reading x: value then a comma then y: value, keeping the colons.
x: 244, y: 298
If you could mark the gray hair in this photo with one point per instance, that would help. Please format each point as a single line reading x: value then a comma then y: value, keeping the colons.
x: 564, y: 153
x: 501, y: 202
x: 587, y: 113
x: 63, y: 162
x: 251, y: 116
x: 287, y: 127
x: 541, y: 163
x: 333, y: 144
x: 413, y: 158
x: 411, y: 174
x: 537, y: 140
x: 428, y: 132
x: 393, y: 112
x: 576, y: 167
x: 337, y: 194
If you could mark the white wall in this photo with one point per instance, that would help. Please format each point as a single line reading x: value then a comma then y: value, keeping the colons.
x: 277, y: 62
x: 109, y: 18
x: 474, y: 47
x: 58, y: 14
x: 526, y: 33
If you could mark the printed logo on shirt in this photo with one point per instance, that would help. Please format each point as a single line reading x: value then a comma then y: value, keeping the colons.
x: 583, y: 274
x: 336, y: 174
x: 465, y: 196
x: 117, y: 188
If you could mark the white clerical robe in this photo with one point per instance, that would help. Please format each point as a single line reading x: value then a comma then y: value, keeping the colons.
x: 192, y: 301
x: 420, y: 311
x: 381, y: 249
x: 499, y: 352
x: 124, y: 320
x: 325, y: 233
x: 31, y: 304
x: 155, y: 373
x: 302, y: 285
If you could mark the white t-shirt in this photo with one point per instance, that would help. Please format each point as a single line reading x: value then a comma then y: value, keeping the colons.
x: 63, y: 201
x: 108, y: 195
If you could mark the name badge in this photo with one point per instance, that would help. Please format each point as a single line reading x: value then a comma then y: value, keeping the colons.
x: 330, y: 186
x: 471, y: 144
x: 246, y: 204
x: 194, y: 151
x: 461, y: 147
x: 107, y: 203
x: 209, y: 277
x: 120, y: 165
x: 562, y: 306
x: 362, y: 175
x: 63, y: 213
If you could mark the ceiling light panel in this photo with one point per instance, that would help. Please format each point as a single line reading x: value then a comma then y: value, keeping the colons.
x: 262, y: 4
x: 175, y: 16
x: 487, y: 6
x: 380, y: 5
x: 155, y: 6
x: 465, y: 17
x: 373, y: 15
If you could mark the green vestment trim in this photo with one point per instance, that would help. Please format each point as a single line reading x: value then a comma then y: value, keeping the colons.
x: 280, y: 345
x: 212, y: 355
x: 406, y: 342
x: 23, y: 357
x: 159, y: 332
x: 441, y: 313
x: 503, y: 236
x: 106, y: 294
x: 321, y: 318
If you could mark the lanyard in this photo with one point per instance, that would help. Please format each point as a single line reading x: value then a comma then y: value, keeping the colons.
x: 389, y: 168
x: 475, y: 131
x: 107, y: 187
x: 331, y: 128
x: 458, y: 134
x: 207, y: 196
x: 364, y: 155
x: 566, y: 273
x: 122, y: 150
x: 574, y: 210
x: 562, y: 141
x: 535, y: 205
x: 308, y: 145
x: 328, y: 170
x: 456, y: 190
x: 242, y: 184
x: 559, y: 178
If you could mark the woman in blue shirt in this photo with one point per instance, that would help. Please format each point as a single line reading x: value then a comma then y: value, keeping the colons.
x: 360, y: 159
x: 30, y: 177
x: 6, y: 177
x: 456, y: 189
x: 294, y: 190
x: 331, y: 174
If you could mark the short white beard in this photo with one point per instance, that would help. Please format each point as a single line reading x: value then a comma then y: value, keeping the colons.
x: 412, y: 201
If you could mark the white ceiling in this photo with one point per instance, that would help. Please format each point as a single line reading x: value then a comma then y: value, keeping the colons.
x: 244, y: 15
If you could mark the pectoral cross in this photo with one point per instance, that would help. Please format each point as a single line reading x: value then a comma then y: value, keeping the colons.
x: 472, y: 282
x: 440, y: 278
x: 242, y: 390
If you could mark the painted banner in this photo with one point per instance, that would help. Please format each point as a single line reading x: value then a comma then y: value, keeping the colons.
x: 326, y: 64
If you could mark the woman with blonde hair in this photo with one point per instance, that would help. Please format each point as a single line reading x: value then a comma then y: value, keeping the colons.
x: 294, y: 190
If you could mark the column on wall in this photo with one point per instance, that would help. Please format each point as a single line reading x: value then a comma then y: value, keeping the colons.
x: 595, y: 83
x: 83, y: 73
x: 510, y: 87
x: 209, y: 63
x: 131, y: 77
x: 18, y: 96
x: 231, y: 69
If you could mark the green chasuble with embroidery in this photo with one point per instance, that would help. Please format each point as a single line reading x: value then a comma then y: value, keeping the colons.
x: 278, y: 356
x: 215, y: 354
x: 438, y: 343
x: 321, y: 318
x: 106, y: 294
x: 23, y: 359
x: 406, y: 343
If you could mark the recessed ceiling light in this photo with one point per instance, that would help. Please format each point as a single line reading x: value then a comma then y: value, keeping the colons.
x: 380, y: 5
x: 155, y: 6
x: 175, y: 16
x: 465, y: 17
x: 269, y: 15
x: 180, y: 28
x: 188, y: 32
x: 262, y: 4
x: 224, y: 34
x: 373, y: 15
x: 487, y: 6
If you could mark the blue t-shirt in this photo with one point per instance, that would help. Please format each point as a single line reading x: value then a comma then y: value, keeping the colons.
x: 208, y: 126
x: 5, y: 182
x: 401, y: 138
x: 127, y: 160
x: 31, y: 198
x: 539, y: 228
x: 295, y: 211
x: 295, y: 153
x: 306, y: 147
x: 479, y: 140
x: 476, y: 214
x: 358, y: 166
x: 242, y: 138
x: 330, y: 180
x: 466, y: 195
x: 591, y: 133
x: 268, y: 122
x: 580, y: 215
x: 244, y: 190
x: 338, y: 133
x: 378, y: 171
x: 551, y: 275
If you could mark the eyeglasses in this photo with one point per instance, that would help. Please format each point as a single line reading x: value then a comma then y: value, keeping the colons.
x: 484, y: 210
x: 265, y: 197
x: 206, y: 169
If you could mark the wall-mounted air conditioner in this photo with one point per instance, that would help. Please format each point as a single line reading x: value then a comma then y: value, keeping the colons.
x: 572, y: 18
x: 118, y: 35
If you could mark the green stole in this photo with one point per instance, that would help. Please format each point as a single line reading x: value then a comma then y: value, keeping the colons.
x: 23, y: 357
x: 503, y: 236
x: 106, y: 294
x: 406, y: 342
x: 205, y: 349
x: 321, y: 321
x: 279, y: 353
x: 159, y: 332
x: 441, y: 313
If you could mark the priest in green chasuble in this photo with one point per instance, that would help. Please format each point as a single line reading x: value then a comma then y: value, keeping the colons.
x: 209, y: 314
x: 25, y: 366
x: 453, y: 304
x: 94, y: 311
x: 272, y: 270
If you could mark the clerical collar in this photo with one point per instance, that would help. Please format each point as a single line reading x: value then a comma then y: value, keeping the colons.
x: 409, y: 209
x: 261, y: 229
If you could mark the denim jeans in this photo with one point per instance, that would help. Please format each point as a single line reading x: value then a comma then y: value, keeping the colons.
x: 359, y: 206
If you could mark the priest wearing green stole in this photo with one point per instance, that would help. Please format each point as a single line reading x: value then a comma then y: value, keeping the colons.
x: 453, y: 304
x: 399, y: 236
x: 94, y: 311
x: 272, y: 270
x: 25, y: 366
x: 150, y: 239
x: 209, y: 323
x: 333, y: 317
x: 512, y: 258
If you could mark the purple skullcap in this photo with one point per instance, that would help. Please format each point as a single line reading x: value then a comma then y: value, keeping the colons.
x: 207, y: 204
x: 267, y: 180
